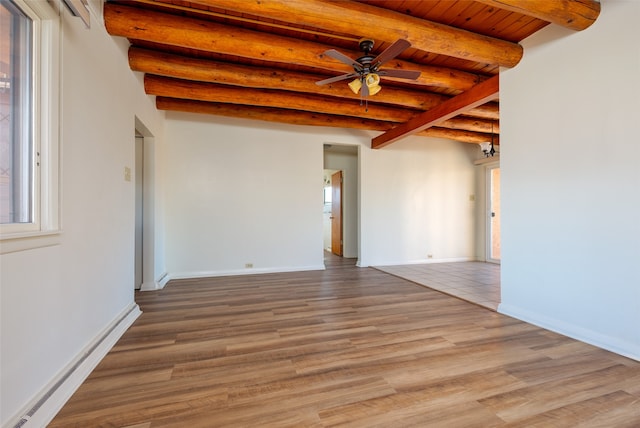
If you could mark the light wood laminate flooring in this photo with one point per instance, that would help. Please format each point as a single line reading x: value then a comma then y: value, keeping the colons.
x: 346, y: 346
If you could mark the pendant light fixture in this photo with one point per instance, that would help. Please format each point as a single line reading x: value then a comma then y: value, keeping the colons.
x: 487, y: 148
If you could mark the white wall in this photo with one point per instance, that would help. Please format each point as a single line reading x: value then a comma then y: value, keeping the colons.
x: 57, y: 301
x: 415, y: 202
x: 238, y: 193
x: 571, y: 181
x: 242, y: 192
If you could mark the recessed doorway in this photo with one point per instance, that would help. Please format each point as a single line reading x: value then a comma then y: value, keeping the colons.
x: 341, y: 200
x: 139, y: 203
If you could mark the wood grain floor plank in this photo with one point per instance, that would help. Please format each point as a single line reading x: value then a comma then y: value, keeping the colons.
x: 346, y: 346
x: 417, y: 408
x: 544, y: 397
x: 247, y: 418
x: 617, y: 409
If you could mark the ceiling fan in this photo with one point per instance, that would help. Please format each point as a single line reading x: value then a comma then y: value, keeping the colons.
x: 366, y: 69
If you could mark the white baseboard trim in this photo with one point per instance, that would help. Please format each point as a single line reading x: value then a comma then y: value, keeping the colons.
x: 621, y: 347
x: 157, y: 284
x: 150, y: 286
x: 162, y: 281
x: 247, y: 271
x: 53, y: 396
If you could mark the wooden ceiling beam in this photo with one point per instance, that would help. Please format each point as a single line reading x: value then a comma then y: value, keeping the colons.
x: 208, y: 36
x: 364, y: 20
x: 573, y: 14
x: 201, y: 91
x: 177, y: 88
x: 171, y: 65
x: 480, y: 94
x: 296, y: 117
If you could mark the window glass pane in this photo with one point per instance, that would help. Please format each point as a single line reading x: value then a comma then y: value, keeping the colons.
x: 16, y: 137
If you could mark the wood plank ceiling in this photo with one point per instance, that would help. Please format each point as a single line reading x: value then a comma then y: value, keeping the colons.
x: 260, y: 59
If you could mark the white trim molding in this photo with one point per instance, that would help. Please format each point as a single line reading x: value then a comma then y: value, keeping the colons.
x: 247, y: 271
x: 158, y: 284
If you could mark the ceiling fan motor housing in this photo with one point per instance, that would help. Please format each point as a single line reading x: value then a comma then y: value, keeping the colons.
x: 366, y: 45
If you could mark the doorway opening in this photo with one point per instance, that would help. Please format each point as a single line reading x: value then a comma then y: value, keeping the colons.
x: 148, y: 262
x: 340, y: 208
x: 139, y: 210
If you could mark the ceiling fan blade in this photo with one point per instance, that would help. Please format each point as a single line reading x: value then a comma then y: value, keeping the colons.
x: 343, y: 58
x: 402, y: 74
x: 391, y: 52
x: 336, y: 79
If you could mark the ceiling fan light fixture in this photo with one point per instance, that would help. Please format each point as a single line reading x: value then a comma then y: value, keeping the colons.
x: 367, y: 70
x: 374, y: 90
x: 372, y: 81
x: 355, y: 85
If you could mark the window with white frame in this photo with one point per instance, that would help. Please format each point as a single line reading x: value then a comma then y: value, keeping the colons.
x: 29, y: 50
x: 16, y: 111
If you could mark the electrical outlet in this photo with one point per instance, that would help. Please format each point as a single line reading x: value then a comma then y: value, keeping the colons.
x: 248, y: 265
x: 429, y: 256
x: 127, y: 173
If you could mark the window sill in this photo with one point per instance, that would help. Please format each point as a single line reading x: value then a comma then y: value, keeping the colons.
x: 12, y: 243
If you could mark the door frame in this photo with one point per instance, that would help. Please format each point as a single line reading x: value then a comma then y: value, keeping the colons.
x: 154, y: 276
x: 346, y: 158
x: 139, y: 184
